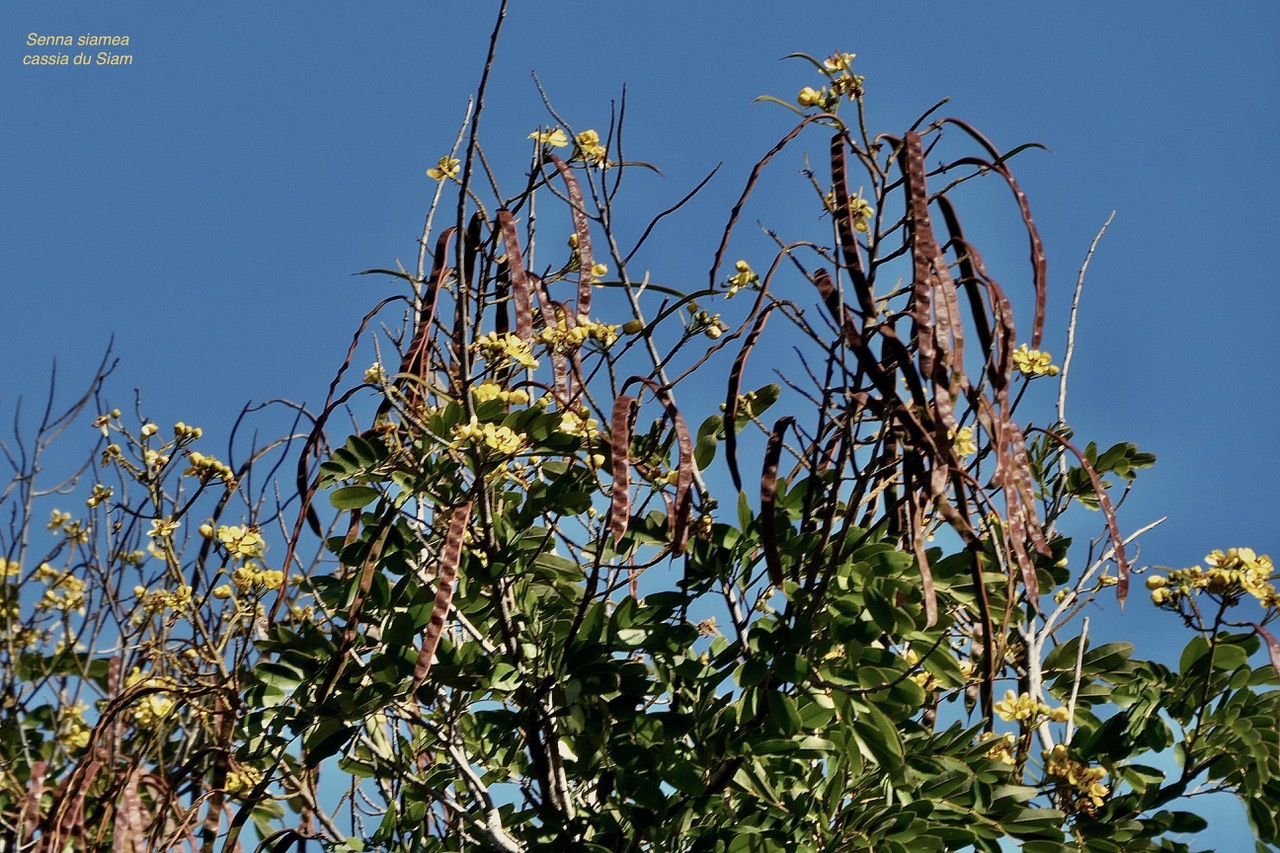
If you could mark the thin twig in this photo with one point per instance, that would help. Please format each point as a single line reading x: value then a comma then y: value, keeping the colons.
x: 1075, y: 681
x: 1071, y: 331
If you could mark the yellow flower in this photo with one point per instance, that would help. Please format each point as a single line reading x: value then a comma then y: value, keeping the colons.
x: 554, y: 137
x: 242, y: 780
x: 564, y: 340
x: 205, y: 468
x: 1033, y: 362
x: 66, y: 594
x: 1086, y: 781
x: 744, y: 277
x: 809, y: 97
x: 1021, y: 708
x: 73, y: 731
x: 848, y: 84
x: 153, y: 707
x: 149, y: 430
x: 57, y: 518
x: 502, y: 439
x: 861, y: 210
x: 100, y: 494
x: 1001, y: 748
x: 486, y: 391
x: 161, y: 600
x: 599, y: 270
x: 223, y: 591
x: 375, y: 375
x: 589, y: 147
x: 9, y: 568
x: 499, y: 350
x: 271, y: 579
x: 241, y: 542
x: 839, y: 61
x: 963, y: 441
x: 574, y: 423
x: 162, y: 528
x: 446, y: 167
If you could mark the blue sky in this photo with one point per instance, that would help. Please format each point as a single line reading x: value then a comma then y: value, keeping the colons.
x: 207, y: 204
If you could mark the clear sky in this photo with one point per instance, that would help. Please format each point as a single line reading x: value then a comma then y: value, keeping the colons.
x: 207, y: 203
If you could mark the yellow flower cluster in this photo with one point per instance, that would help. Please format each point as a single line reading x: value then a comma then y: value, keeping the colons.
x: 562, y: 339
x: 1001, y: 748
x: 241, y: 542
x: 376, y: 375
x: 486, y: 391
x: 75, y: 531
x: 860, y: 210
x: 182, y: 432
x: 744, y: 277
x: 844, y: 83
x: 555, y: 137
x: 1033, y: 362
x: 849, y: 85
x: 709, y: 324
x: 251, y: 576
x: 500, y: 349
x: 963, y: 441
x: 65, y: 592
x: 242, y: 780
x: 153, y: 707
x: 1230, y: 573
x: 9, y: 568
x: 578, y: 423
x: 746, y: 404
x: 73, y: 731
x: 927, y: 680
x: 205, y: 468
x: 157, y: 601
x: 501, y: 439
x: 446, y: 167
x: 589, y: 147
x: 1024, y: 709
x: 1089, y: 792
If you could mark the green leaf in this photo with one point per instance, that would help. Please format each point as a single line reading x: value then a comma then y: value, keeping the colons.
x: 1228, y: 656
x: 353, y: 497
x: 783, y: 713
x: 1196, y: 649
x: 325, y: 739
